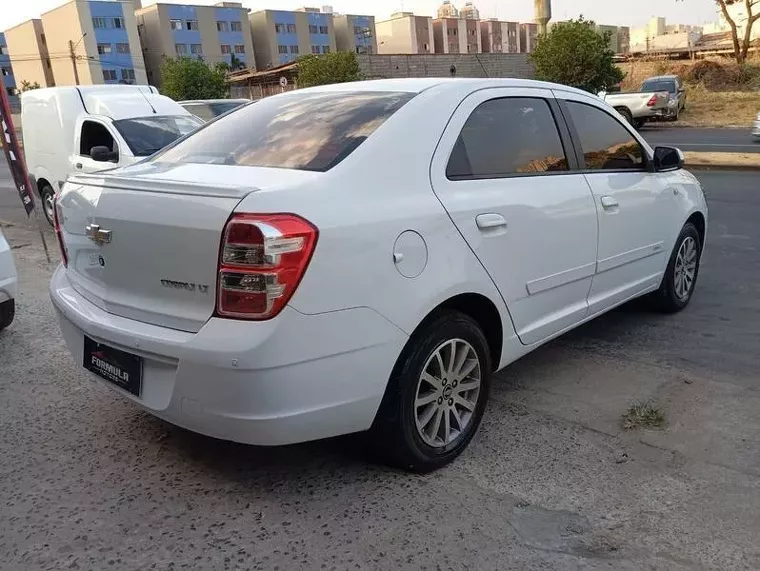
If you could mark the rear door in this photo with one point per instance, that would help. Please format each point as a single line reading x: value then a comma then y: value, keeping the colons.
x: 635, y: 205
x: 503, y: 171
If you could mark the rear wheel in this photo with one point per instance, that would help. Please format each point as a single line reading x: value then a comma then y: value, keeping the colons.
x: 7, y: 312
x: 47, y: 196
x: 436, y: 395
x: 681, y: 274
x: 626, y: 114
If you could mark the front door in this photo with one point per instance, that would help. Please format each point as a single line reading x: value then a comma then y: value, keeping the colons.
x: 634, y: 204
x: 92, y: 133
x: 503, y: 174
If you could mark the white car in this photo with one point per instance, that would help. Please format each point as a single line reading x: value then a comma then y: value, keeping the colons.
x: 8, y: 284
x: 756, y: 127
x: 363, y: 256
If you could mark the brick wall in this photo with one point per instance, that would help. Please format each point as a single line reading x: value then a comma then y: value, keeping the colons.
x: 439, y: 65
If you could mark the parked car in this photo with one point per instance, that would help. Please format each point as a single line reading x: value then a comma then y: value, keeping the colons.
x: 363, y: 256
x: 88, y: 128
x: 8, y: 284
x: 207, y: 109
x: 640, y: 106
x: 756, y: 127
x: 676, y: 93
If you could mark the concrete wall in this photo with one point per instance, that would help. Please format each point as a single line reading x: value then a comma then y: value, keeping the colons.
x: 27, y: 45
x: 439, y: 65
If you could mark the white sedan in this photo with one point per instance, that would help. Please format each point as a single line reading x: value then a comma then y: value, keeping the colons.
x: 364, y: 256
x: 8, y: 284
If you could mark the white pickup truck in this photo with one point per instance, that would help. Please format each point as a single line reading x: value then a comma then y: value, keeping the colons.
x: 640, y: 106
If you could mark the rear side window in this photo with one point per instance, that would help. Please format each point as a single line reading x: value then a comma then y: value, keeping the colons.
x: 508, y: 136
x: 310, y: 131
x: 606, y: 144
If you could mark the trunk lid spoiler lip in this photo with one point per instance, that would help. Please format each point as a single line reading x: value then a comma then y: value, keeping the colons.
x: 167, y: 186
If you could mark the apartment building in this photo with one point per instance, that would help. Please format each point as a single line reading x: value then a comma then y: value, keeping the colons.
x: 528, y: 37
x: 103, y: 35
x: 500, y: 37
x: 219, y: 33
x: 456, y: 36
x: 405, y: 33
x: 355, y: 33
x: 281, y: 36
x: 9, y: 79
x: 27, y: 47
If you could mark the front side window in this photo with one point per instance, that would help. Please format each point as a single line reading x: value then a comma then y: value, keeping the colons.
x: 606, y: 144
x: 311, y: 131
x: 146, y: 135
x: 508, y: 136
x: 95, y: 134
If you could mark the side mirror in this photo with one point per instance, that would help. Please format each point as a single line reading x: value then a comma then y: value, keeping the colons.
x: 668, y: 159
x: 103, y: 154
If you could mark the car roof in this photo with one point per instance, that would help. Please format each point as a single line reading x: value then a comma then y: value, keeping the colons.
x: 195, y: 101
x: 418, y: 85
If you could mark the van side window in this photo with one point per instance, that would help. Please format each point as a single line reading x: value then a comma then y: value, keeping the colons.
x: 506, y: 137
x: 95, y: 135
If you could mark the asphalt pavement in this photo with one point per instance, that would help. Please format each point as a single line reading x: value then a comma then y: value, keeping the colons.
x: 551, y: 481
x: 702, y: 140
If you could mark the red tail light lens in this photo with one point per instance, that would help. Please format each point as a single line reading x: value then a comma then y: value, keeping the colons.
x: 262, y: 260
x: 59, y: 233
x: 652, y: 101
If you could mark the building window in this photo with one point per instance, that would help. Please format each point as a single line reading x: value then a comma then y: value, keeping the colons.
x: 323, y: 29
x: 119, y: 23
x: 6, y: 71
x: 240, y: 49
x: 97, y: 23
x: 313, y: 29
x: 128, y: 74
x: 175, y: 24
x: 109, y: 75
x: 226, y: 48
x: 294, y: 49
x: 104, y: 49
x: 291, y: 28
x: 11, y: 91
x: 191, y: 24
x: 122, y: 49
x: 196, y: 49
x: 282, y: 49
x: 222, y: 27
x: 325, y: 49
x: 236, y: 26
x: 181, y: 49
x: 279, y: 28
x: 315, y: 49
x: 357, y: 31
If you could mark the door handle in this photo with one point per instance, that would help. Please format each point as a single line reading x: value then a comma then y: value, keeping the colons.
x: 78, y: 165
x: 490, y: 220
x: 609, y: 202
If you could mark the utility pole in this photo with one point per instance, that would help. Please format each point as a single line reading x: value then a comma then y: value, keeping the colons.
x: 74, y: 62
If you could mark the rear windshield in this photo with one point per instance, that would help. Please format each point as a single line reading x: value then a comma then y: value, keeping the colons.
x: 147, y: 135
x: 307, y: 131
x: 664, y: 85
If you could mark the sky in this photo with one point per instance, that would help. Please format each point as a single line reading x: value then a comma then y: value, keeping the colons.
x: 611, y: 12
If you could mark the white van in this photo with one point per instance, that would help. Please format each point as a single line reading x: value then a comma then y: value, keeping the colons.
x: 88, y: 128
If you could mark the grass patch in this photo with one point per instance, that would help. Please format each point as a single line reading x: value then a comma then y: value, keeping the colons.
x: 643, y: 415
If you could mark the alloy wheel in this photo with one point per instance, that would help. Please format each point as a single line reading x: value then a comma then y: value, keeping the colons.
x: 685, y: 269
x: 447, y: 393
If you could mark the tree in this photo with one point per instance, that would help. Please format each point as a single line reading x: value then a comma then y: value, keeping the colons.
x: 575, y: 54
x: 741, y: 31
x: 27, y: 86
x: 338, y: 67
x: 190, y: 78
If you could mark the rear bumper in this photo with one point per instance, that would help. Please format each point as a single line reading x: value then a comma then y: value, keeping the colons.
x: 291, y: 379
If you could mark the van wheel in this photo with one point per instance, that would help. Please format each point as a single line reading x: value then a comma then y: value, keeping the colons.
x: 680, y: 277
x: 47, y: 196
x: 436, y: 396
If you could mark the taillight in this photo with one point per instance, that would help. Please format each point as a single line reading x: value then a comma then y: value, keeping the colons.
x: 59, y: 232
x: 652, y: 101
x: 262, y: 259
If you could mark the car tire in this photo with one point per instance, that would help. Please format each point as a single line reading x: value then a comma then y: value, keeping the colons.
x: 47, y: 198
x: 7, y: 313
x: 638, y: 123
x: 422, y: 425
x: 677, y: 288
x: 626, y: 114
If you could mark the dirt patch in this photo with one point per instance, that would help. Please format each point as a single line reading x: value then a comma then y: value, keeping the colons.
x: 706, y: 108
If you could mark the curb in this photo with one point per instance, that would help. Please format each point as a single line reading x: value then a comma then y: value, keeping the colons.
x: 722, y: 161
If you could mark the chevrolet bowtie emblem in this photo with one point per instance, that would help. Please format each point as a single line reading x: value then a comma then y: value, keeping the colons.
x: 97, y: 235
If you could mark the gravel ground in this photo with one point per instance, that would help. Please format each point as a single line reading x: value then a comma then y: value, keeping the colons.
x: 552, y: 481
